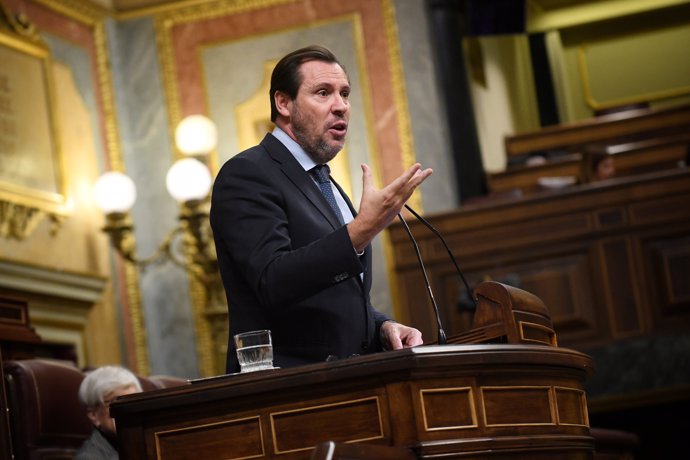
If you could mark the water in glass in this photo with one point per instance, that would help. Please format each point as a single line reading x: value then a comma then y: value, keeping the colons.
x: 255, y: 358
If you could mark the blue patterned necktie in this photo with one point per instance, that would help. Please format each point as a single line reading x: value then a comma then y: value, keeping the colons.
x: 321, y: 173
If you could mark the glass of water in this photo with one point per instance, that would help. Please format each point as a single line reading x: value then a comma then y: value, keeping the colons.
x: 254, y: 350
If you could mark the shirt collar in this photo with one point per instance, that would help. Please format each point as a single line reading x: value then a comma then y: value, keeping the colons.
x: 295, y: 149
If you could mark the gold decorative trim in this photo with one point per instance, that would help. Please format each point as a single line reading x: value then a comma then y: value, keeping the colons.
x: 136, y: 318
x: 165, y: 22
x: 470, y: 398
x: 94, y: 18
x: 219, y: 8
x: 594, y: 104
x: 87, y: 13
x: 406, y: 141
x: 158, y: 434
x: 17, y: 221
x: 400, y: 95
x: 253, y: 115
x: 166, y: 56
x: 549, y: 395
x: 204, y: 338
x: 273, y: 415
x: 550, y: 332
x: 18, y: 25
x: 22, y: 207
x: 583, y: 405
x: 157, y: 9
x: 168, y: 19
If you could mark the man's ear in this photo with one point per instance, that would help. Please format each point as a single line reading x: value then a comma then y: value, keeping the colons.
x: 283, y: 103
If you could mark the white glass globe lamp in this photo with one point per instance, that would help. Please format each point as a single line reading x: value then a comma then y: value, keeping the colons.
x: 115, y: 192
x: 188, y: 179
x: 196, y: 135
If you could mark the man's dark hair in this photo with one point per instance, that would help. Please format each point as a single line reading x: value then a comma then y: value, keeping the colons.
x: 286, y: 76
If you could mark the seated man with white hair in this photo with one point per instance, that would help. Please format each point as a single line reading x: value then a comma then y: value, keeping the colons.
x: 97, y: 391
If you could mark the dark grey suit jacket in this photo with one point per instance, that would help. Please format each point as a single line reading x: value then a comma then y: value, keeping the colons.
x: 286, y: 263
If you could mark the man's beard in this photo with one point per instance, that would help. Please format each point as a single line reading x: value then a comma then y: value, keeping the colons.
x: 318, y: 149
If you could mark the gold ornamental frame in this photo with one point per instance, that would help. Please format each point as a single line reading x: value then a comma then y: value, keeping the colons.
x: 28, y: 133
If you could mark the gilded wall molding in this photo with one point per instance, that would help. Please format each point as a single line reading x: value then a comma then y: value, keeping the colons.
x: 400, y: 95
x: 166, y: 21
x: 87, y: 13
x: 406, y: 141
x: 94, y: 18
x: 26, y: 200
x: 18, y: 222
x: 18, y: 25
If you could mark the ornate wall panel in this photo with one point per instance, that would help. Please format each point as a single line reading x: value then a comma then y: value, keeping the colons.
x: 75, y: 33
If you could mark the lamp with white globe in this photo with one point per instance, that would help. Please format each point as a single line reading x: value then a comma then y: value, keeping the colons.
x: 190, y: 244
x: 188, y: 181
x: 115, y: 194
x: 196, y: 135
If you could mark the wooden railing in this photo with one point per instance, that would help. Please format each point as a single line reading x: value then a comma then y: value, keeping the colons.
x: 610, y: 129
x: 639, y: 140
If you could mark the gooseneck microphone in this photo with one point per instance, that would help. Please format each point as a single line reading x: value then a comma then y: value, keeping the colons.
x: 441, y: 333
x: 450, y: 253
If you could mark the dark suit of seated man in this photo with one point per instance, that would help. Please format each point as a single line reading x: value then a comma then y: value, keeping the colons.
x: 290, y: 261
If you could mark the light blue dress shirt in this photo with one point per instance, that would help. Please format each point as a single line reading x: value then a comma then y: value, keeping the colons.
x: 307, y: 163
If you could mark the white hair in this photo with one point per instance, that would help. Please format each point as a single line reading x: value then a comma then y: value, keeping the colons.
x: 105, y: 380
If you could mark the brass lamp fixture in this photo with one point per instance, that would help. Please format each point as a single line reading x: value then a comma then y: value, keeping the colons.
x: 189, y: 182
x: 190, y: 244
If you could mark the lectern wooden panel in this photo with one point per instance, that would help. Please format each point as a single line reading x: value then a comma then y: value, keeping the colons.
x: 452, y: 401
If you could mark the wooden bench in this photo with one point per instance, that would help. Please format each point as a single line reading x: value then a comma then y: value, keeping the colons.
x: 616, y: 128
x: 642, y: 139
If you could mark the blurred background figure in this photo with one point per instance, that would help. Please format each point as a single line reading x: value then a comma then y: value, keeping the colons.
x: 599, y: 164
x: 97, y: 391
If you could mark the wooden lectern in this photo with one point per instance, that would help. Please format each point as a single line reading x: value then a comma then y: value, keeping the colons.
x: 471, y: 401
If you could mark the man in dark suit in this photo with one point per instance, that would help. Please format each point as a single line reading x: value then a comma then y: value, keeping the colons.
x: 293, y: 254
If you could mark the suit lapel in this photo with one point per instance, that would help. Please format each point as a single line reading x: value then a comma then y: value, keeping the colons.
x: 294, y: 171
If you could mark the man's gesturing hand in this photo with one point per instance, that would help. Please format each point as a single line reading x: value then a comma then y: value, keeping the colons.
x: 378, y: 208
